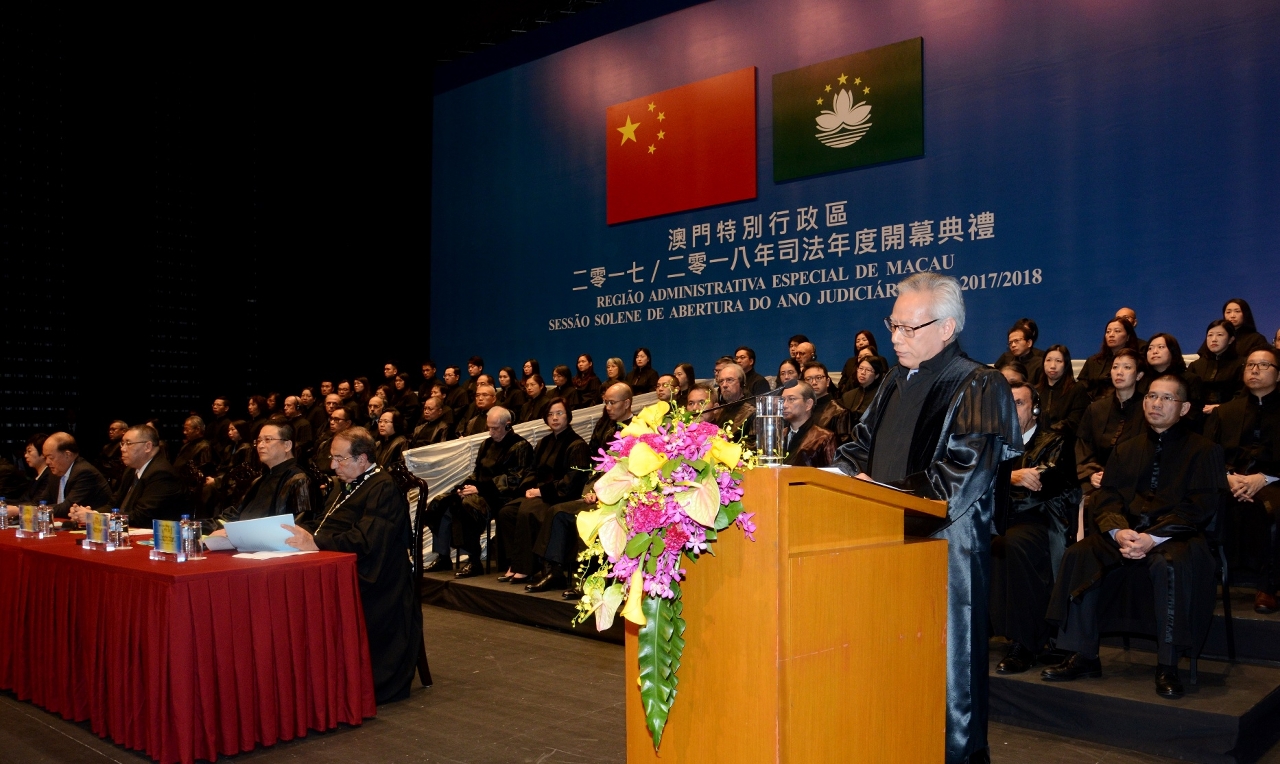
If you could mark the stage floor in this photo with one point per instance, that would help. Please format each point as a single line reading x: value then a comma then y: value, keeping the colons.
x: 504, y: 693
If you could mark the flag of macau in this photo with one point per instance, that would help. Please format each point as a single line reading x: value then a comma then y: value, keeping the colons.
x: 848, y: 112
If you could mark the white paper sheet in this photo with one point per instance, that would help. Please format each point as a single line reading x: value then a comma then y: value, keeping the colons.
x: 269, y: 555
x: 261, y: 535
x: 217, y: 543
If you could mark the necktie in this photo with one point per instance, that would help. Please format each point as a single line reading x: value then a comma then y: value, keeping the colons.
x: 128, y: 496
x: 1155, y: 467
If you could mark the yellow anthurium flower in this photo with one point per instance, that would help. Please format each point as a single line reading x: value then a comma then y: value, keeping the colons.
x: 654, y: 413
x: 633, y: 611
x: 608, y: 607
x: 644, y: 460
x: 636, y: 427
x: 728, y: 454
x: 613, y: 537
x: 701, y: 501
x: 589, y: 524
x: 614, y: 484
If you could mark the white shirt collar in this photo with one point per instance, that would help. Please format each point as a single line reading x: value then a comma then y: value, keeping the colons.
x: 143, y: 468
x: 1029, y: 434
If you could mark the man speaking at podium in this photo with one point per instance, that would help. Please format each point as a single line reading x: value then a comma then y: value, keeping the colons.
x: 940, y: 426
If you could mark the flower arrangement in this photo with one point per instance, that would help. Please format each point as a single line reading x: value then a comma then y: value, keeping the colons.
x: 670, y: 484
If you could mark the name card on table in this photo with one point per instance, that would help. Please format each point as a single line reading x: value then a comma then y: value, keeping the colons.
x: 27, y: 518
x: 97, y: 531
x: 166, y: 538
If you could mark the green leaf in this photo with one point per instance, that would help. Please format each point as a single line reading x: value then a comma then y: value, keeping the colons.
x: 722, y: 520
x: 651, y: 564
x: 712, y: 535
x: 660, y: 645
x: 659, y: 546
x: 636, y: 546
x: 733, y: 510
x: 737, y: 476
x: 670, y: 466
x: 699, y: 465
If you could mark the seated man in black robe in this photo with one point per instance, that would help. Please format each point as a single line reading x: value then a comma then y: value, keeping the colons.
x: 283, y: 489
x: 434, y: 427
x: 1043, y: 500
x: 808, y: 444
x: 739, y: 411
x: 369, y: 517
x: 110, y: 465
x: 1248, y: 430
x: 1147, y: 567
x: 1022, y: 338
x: 150, y: 489
x: 746, y: 358
x: 502, y: 463
x: 560, y: 468
x: 300, y: 425
x: 557, y: 542
x: 73, y: 480
x: 827, y: 411
x: 476, y: 418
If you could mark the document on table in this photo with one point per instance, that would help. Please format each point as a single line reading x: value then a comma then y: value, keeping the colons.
x: 217, y: 543
x: 261, y: 535
x: 270, y: 555
x: 838, y: 471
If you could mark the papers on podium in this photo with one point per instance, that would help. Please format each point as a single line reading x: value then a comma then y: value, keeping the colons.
x: 261, y: 535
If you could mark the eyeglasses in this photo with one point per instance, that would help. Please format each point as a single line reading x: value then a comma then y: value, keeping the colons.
x: 907, y: 331
x: 132, y: 443
x: 814, y: 380
x: 337, y: 419
x: 340, y: 459
x: 1166, y: 398
x: 608, y: 402
x: 1259, y: 365
x: 256, y: 441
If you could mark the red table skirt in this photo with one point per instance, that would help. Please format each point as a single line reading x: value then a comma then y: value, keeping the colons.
x: 184, y: 661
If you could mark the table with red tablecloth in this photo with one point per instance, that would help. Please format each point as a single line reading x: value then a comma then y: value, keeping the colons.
x: 184, y: 661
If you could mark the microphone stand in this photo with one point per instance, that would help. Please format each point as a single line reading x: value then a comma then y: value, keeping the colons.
x: 786, y: 386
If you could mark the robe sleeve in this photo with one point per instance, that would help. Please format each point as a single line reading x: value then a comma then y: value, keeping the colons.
x: 983, y: 434
x: 569, y: 486
x: 1205, y: 480
x: 518, y: 463
x: 1086, y: 454
x: 374, y: 534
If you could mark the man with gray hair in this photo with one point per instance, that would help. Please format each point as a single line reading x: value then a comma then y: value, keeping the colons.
x: 502, y: 463
x: 738, y: 409
x: 941, y: 426
x: 196, y: 450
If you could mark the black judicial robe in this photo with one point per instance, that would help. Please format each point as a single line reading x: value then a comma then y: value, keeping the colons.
x: 431, y: 432
x: 569, y: 393
x: 1095, y: 375
x: 742, y: 415
x: 1248, y: 429
x: 857, y: 398
x: 1057, y: 501
x: 966, y: 428
x: 371, y: 521
x: 1062, y: 406
x: 284, y: 489
x: 1221, y: 376
x: 1106, y: 424
x: 1189, y: 487
x: 589, y: 390
x: 560, y: 467
x: 642, y: 381
x: 535, y: 408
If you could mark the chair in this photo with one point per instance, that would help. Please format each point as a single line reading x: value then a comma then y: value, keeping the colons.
x: 406, y: 481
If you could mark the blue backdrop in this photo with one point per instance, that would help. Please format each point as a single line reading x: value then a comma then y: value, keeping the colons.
x: 1127, y: 153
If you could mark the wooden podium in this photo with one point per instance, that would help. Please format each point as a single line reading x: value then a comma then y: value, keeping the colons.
x: 822, y: 641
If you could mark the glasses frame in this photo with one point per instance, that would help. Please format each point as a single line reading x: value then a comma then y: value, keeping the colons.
x: 1153, y: 397
x: 908, y: 332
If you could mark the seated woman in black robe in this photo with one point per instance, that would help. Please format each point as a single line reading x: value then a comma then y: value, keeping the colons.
x: 787, y: 371
x: 560, y: 468
x: 361, y: 393
x: 407, y: 401
x: 511, y: 396
x: 867, y: 377
x: 685, y: 380
x: 642, y: 379
x: 1220, y: 368
x: 531, y: 368
x: 615, y: 371
x: 1096, y: 374
x: 1062, y: 400
x: 1164, y: 356
x: 539, y: 399
x: 391, y: 440
x: 564, y: 388
x: 1248, y: 338
x: 590, y: 393
x: 1110, y: 420
x: 863, y: 340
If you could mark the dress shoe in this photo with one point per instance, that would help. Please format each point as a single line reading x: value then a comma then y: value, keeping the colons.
x: 571, y: 594
x: 545, y: 583
x: 468, y: 571
x: 510, y: 578
x: 1073, y: 668
x: 438, y: 565
x: 1167, y: 684
x: 1264, y: 603
x: 1016, y: 660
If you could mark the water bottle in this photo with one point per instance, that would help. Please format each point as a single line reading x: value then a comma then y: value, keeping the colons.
x: 191, y: 547
x: 44, y: 520
x: 4, y: 515
x: 114, y: 527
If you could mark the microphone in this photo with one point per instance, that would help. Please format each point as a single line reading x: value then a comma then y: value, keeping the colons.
x: 785, y: 386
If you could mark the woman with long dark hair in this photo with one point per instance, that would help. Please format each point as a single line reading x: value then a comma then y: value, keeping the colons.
x: 531, y: 369
x: 642, y: 379
x: 257, y: 408
x: 511, y: 396
x: 1248, y: 338
x: 1062, y: 400
x: 1110, y: 420
x: 787, y: 371
x: 685, y: 380
x: 1164, y: 356
x: 1219, y: 368
x: 587, y: 383
x: 1096, y: 374
x: 563, y: 379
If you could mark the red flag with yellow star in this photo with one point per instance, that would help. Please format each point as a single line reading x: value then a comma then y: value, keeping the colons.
x: 684, y: 148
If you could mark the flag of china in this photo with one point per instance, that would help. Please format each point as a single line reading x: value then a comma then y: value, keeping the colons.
x: 684, y: 148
